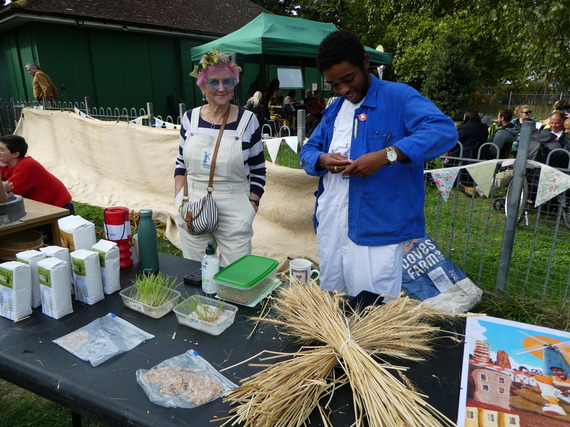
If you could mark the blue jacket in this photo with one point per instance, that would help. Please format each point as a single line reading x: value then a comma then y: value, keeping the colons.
x: 387, y: 206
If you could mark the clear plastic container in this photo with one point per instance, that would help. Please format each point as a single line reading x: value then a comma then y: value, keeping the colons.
x: 154, y: 312
x: 202, y: 317
x: 246, y: 279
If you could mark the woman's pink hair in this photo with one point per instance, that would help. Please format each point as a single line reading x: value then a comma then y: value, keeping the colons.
x: 230, y: 66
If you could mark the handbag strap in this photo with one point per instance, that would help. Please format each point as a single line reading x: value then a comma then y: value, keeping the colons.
x: 213, y: 164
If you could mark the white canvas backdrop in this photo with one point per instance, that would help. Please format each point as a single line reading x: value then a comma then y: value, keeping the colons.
x: 108, y: 164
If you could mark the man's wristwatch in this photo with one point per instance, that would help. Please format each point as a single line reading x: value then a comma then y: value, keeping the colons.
x: 391, y: 155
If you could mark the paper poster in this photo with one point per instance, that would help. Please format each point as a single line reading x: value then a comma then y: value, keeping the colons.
x: 514, y: 374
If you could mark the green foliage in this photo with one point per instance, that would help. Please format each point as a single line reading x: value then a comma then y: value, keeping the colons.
x: 451, y: 79
x: 153, y: 289
x: 525, y: 42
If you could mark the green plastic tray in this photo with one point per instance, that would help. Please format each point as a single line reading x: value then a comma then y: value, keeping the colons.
x: 246, y: 272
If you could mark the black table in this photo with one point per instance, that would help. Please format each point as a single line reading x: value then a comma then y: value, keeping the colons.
x: 110, y: 394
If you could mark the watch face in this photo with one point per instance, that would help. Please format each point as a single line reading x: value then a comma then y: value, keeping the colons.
x: 392, y: 156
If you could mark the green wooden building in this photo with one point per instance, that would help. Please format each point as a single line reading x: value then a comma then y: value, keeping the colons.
x: 118, y: 53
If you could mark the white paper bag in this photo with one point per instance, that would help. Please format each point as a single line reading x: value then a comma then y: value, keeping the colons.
x: 76, y: 232
x: 55, y: 287
x: 87, y: 276
x: 109, y: 259
x: 32, y: 257
x: 61, y: 253
x: 15, y: 290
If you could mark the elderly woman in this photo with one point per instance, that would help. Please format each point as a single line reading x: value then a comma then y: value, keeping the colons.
x: 239, y: 176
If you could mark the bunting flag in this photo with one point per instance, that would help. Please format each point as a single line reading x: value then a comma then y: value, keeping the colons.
x: 551, y: 183
x: 292, y: 142
x: 273, y: 145
x: 444, y: 180
x: 482, y: 173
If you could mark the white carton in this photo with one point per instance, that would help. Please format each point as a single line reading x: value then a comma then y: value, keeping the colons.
x: 87, y: 276
x: 15, y: 290
x: 32, y: 257
x: 55, y: 287
x: 76, y: 232
x: 61, y: 253
x: 110, y: 260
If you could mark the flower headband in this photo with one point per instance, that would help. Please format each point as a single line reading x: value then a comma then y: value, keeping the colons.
x: 212, y: 58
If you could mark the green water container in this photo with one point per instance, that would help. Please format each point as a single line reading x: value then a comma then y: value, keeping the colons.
x: 148, y: 243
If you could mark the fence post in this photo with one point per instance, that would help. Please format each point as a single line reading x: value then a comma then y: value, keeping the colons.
x: 87, y: 105
x: 510, y: 98
x: 301, y: 125
x: 513, y: 208
x: 150, y: 113
x: 181, y: 111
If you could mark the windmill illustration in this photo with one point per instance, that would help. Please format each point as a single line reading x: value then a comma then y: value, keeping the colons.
x: 552, y: 351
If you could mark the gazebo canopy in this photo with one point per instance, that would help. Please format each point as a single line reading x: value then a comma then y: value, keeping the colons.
x: 281, y: 37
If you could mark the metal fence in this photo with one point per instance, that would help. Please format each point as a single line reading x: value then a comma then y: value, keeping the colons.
x: 523, y: 251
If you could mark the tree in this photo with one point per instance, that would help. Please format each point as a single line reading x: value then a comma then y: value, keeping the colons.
x: 450, y: 81
x: 510, y: 40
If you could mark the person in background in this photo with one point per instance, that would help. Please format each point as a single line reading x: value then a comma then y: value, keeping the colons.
x: 567, y: 132
x: 276, y: 110
x: 472, y: 133
x: 523, y: 113
x: 239, y: 177
x: 505, y: 134
x: 371, y: 144
x: 267, y: 94
x: 314, y: 104
x: 255, y: 105
x: 43, y: 87
x: 552, y: 137
x: 562, y: 106
x: 26, y: 177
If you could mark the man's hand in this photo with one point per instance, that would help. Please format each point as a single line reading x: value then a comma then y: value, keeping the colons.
x: 333, y: 162
x: 367, y: 164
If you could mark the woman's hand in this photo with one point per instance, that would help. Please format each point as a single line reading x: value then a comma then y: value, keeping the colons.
x: 8, y: 186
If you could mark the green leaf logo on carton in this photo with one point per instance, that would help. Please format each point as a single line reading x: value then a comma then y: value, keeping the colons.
x: 101, y: 256
x: 6, y: 278
x: 44, y: 276
x: 79, y: 266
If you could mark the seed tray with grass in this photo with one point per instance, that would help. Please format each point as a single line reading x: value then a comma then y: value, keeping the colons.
x: 205, y: 314
x: 153, y: 295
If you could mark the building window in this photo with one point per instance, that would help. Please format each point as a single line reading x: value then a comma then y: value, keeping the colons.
x: 502, y: 380
x: 483, y: 377
x: 501, y: 390
x: 491, y: 417
x: 485, y: 387
x: 470, y: 415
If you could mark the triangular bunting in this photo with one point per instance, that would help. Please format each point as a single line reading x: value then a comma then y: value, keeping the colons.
x: 482, y: 174
x: 273, y: 145
x: 552, y: 182
x: 292, y: 142
x: 444, y: 180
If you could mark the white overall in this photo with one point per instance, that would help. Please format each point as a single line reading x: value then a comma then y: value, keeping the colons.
x: 231, y: 192
x: 344, y: 265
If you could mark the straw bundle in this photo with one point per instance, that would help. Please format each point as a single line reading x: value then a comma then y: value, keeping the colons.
x: 285, y: 393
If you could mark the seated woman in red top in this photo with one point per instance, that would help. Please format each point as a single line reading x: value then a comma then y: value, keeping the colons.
x: 28, y: 178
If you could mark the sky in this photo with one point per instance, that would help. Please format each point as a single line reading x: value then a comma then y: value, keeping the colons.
x: 508, y: 336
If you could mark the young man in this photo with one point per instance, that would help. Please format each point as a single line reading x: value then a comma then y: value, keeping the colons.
x: 506, y: 134
x: 27, y: 177
x: 369, y: 151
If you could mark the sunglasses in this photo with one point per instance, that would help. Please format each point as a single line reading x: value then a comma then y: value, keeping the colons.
x: 213, y: 84
x: 527, y: 112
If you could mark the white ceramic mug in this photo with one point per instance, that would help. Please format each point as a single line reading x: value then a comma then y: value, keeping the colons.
x: 300, y: 270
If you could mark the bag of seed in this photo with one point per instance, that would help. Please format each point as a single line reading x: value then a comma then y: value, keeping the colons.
x: 15, y: 290
x: 87, y: 276
x: 109, y: 259
x: 55, y: 288
x: 32, y: 257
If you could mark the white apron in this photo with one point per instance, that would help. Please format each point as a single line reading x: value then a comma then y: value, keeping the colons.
x: 231, y: 192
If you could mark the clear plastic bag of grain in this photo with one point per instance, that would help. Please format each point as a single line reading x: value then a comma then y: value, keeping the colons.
x: 184, y: 381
